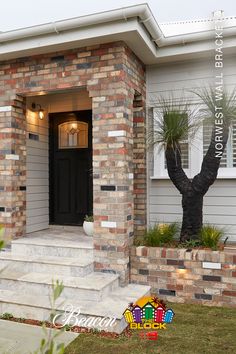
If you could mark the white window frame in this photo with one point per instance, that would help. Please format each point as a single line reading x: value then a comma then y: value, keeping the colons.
x: 195, y: 160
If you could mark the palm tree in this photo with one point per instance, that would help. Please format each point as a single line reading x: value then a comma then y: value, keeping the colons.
x: 176, y: 123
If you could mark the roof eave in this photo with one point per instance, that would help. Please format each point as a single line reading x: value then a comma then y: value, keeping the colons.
x: 135, y: 25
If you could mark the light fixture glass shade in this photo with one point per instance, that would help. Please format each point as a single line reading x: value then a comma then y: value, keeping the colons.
x: 37, y: 107
x: 41, y: 114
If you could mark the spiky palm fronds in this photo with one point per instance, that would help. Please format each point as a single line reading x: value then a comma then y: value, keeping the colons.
x: 216, y: 102
x: 174, y: 122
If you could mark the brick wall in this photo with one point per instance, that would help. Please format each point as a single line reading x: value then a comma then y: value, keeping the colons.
x: 13, y: 167
x: 113, y: 76
x: 139, y: 158
x: 179, y: 275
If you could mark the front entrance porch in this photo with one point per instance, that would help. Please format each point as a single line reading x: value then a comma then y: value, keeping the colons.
x: 64, y: 254
x: 113, y: 79
x: 59, y: 180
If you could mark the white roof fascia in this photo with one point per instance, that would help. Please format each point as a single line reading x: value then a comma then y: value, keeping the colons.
x: 77, y: 31
x: 194, y: 50
x: 129, y: 31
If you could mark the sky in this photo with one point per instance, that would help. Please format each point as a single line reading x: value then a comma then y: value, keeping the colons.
x: 23, y: 13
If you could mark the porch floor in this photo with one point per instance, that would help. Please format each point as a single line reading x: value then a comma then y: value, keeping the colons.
x: 60, y: 236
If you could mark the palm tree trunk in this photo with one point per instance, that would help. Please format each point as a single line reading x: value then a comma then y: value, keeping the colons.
x: 192, y: 205
x: 194, y: 191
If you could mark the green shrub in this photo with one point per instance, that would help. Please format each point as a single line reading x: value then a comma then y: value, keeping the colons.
x: 7, y: 316
x: 88, y: 218
x: 1, y: 236
x: 161, y: 234
x: 210, y: 236
x: 190, y: 244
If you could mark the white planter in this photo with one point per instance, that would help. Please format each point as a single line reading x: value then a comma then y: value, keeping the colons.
x: 88, y: 228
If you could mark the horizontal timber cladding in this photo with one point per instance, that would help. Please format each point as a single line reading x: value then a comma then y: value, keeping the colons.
x: 115, y: 80
x: 36, y: 172
x: 185, y: 275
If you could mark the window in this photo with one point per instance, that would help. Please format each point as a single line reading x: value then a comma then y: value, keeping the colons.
x: 207, y: 131
x: 189, y: 155
x: 233, y: 138
x: 184, y: 147
x: 192, y: 154
x: 73, y: 135
x: 228, y: 160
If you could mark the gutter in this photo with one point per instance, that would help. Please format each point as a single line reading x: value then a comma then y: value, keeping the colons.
x: 159, y: 38
x: 142, y: 12
x: 139, y: 11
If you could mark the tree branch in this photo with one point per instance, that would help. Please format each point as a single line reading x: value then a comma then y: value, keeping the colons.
x: 210, y: 164
x: 175, y: 170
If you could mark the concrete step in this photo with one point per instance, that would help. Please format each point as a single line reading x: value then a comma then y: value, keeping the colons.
x: 94, y: 286
x: 54, y: 247
x: 113, y: 305
x: 46, y: 264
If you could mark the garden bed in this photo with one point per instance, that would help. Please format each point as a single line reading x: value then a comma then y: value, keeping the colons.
x: 186, y: 275
x: 76, y: 329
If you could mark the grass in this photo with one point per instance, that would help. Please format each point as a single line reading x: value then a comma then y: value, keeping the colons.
x: 195, y: 329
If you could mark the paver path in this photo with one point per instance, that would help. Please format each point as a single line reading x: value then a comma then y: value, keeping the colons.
x: 19, y: 338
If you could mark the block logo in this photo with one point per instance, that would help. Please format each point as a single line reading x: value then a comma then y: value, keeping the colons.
x: 148, y: 313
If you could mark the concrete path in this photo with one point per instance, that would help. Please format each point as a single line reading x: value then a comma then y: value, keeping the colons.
x: 19, y: 338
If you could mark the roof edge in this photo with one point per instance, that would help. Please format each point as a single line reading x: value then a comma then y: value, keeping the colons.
x: 141, y: 12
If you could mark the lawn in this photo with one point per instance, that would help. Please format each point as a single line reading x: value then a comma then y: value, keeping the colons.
x: 195, y: 330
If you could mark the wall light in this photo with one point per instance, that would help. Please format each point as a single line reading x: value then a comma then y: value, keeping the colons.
x: 181, y: 272
x: 37, y: 107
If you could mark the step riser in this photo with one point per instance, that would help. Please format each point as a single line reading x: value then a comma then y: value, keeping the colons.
x: 42, y: 314
x: 26, y: 312
x: 38, y: 250
x: 68, y: 292
x: 59, y: 269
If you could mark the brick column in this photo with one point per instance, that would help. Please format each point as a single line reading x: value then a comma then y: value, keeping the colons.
x: 140, y: 202
x: 113, y: 177
x: 13, y: 167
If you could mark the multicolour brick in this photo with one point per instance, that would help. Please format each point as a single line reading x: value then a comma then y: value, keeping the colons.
x: 115, y: 80
x: 195, y: 276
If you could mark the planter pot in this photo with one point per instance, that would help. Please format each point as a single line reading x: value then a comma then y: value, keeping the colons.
x: 88, y: 228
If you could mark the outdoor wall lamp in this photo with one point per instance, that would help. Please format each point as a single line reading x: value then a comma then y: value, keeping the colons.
x: 37, y: 107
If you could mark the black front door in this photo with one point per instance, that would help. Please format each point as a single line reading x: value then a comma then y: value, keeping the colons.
x: 70, y: 167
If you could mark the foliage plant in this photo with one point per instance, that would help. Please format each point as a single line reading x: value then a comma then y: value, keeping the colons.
x: 190, y: 244
x: 161, y: 234
x: 1, y: 236
x: 48, y: 345
x: 7, y: 316
x: 89, y: 218
x: 210, y: 236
